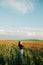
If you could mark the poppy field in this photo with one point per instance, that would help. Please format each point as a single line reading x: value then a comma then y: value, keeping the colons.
x: 9, y: 53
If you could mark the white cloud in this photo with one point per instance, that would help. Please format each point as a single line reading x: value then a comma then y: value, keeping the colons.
x: 23, y: 31
x: 2, y: 32
x: 19, y: 5
x: 29, y: 34
x: 6, y: 32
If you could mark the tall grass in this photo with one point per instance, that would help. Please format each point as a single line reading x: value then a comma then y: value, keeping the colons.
x: 9, y: 55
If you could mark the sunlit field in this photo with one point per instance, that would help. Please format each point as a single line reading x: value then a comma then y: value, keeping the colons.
x: 9, y: 53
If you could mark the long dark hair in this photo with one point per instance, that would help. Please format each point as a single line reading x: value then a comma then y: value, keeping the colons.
x: 19, y: 43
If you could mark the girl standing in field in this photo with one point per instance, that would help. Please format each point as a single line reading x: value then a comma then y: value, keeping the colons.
x: 21, y: 48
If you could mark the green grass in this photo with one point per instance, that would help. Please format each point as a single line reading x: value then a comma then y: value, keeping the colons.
x: 10, y: 56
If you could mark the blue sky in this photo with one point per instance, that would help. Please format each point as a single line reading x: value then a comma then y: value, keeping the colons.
x: 21, y: 19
